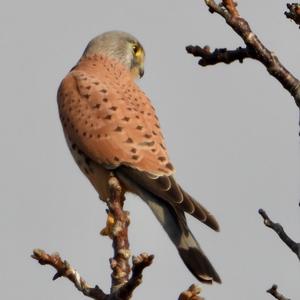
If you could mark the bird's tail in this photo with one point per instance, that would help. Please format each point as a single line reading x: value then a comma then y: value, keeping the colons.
x: 174, y: 223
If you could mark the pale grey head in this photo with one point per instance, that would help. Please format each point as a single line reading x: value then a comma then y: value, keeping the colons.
x: 121, y: 46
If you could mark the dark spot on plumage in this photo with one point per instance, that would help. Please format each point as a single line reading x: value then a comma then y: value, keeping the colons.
x: 139, y: 127
x: 87, y: 96
x: 96, y: 82
x: 116, y: 158
x: 129, y: 140
x: 119, y: 129
x: 97, y: 106
x: 153, y: 150
x: 135, y: 157
x: 94, y: 65
x: 142, y: 112
x: 148, y: 136
x: 90, y: 135
x: 162, y: 158
x: 154, y: 132
x: 129, y: 108
x: 113, y: 108
x: 108, y: 117
x: 126, y: 119
x: 88, y: 87
x: 104, y: 91
x: 156, y: 125
x: 105, y: 100
x: 98, y: 136
x: 137, y: 116
x: 73, y: 146
x: 84, y: 134
x: 133, y: 150
x: 162, y: 146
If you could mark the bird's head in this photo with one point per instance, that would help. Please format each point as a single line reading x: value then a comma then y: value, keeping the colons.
x: 121, y: 46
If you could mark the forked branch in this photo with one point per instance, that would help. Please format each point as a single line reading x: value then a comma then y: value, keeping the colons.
x: 116, y: 228
x: 254, y: 48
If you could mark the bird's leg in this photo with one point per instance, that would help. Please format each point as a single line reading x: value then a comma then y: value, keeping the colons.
x: 117, y: 229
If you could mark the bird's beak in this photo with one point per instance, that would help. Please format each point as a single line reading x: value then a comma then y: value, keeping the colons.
x: 141, y: 71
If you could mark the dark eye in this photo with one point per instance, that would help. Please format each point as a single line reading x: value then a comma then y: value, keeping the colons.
x: 135, y: 48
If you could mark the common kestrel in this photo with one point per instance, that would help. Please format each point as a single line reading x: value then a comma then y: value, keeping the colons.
x: 110, y: 126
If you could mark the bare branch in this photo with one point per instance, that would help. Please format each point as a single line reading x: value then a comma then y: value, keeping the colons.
x: 294, y: 12
x: 64, y: 269
x: 254, y: 49
x: 118, y: 232
x: 222, y: 55
x: 295, y: 247
x: 192, y: 293
x: 273, y: 291
x: 139, y: 264
x: 122, y: 286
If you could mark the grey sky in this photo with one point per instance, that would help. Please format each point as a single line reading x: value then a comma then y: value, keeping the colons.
x: 231, y: 132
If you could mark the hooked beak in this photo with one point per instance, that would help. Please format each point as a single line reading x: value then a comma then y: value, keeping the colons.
x: 141, y: 71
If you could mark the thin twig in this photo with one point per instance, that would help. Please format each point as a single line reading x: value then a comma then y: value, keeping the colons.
x: 64, y: 269
x: 223, y: 55
x: 295, y: 247
x: 273, y: 291
x: 254, y: 49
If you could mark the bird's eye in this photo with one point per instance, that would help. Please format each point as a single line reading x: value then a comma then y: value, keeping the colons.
x: 135, y: 49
